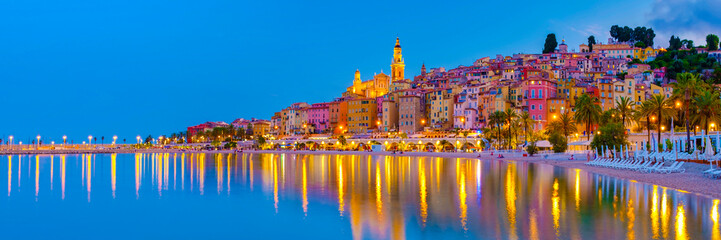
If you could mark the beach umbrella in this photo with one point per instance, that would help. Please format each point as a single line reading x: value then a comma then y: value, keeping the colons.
x: 664, y: 144
x: 627, y: 155
x: 708, y: 151
x: 718, y: 143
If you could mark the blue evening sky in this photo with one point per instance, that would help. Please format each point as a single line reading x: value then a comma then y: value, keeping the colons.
x: 132, y: 68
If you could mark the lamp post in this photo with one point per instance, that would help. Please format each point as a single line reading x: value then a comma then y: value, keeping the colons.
x: 65, y: 138
x: 138, y: 138
x: 115, y: 137
x: 90, y: 140
x: 38, y: 143
x: 11, y: 141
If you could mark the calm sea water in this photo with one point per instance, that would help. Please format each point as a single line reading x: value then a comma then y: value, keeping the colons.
x: 282, y: 196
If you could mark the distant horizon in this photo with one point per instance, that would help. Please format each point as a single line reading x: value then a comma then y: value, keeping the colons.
x: 140, y: 69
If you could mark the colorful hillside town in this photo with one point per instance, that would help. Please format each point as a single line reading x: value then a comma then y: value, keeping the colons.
x: 484, y: 97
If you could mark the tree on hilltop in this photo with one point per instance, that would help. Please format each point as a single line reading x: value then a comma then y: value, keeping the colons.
x: 591, y: 42
x: 551, y: 43
x: 712, y: 42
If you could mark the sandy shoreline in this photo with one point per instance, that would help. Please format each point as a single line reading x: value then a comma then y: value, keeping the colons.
x: 692, y: 180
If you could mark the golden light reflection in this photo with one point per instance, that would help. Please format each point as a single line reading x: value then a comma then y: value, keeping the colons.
x: 275, y: 185
x: 90, y: 171
x: 462, y: 200
x: 715, y: 230
x: 533, y: 222
x: 182, y: 171
x: 511, y: 200
x: 654, y: 213
x: 62, y: 175
x: 665, y: 214
x: 219, y: 173
x: 577, y: 191
x: 52, y: 170
x: 339, y: 173
x: 10, y: 173
x: 556, y: 210
x: 37, y: 176
x: 305, y: 189
x: 379, y: 191
x: 113, y: 171
x: 20, y: 165
x: 138, y: 157
x: 681, y: 231
x: 631, y: 217
x: 423, y: 192
x: 201, y: 173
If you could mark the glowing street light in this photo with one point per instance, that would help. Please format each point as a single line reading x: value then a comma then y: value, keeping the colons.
x: 38, y: 142
x: 138, y: 138
x: 90, y: 139
x: 115, y: 137
x: 65, y: 138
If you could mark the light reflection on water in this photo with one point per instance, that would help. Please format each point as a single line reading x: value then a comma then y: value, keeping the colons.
x: 337, y: 196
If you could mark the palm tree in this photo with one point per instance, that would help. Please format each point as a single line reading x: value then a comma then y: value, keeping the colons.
x: 623, y: 108
x: 565, y: 125
x: 708, y: 108
x: 526, y: 121
x: 510, y: 115
x: 644, y: 111
x: 686, y: 87
x: 588, y: 112
x: 663, y: 108
x: 496, y: 119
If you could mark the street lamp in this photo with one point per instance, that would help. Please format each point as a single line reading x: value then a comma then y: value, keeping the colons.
x: 11, y: 140
x: 115, y: 137
x: 138, y: 138
x: 64, y: 140
x: 90, y: 138
x: 38, y: 143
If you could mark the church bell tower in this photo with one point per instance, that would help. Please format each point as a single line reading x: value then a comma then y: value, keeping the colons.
x: 397, y: 66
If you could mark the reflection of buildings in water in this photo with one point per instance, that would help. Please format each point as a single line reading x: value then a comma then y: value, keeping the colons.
x: 379, y: 195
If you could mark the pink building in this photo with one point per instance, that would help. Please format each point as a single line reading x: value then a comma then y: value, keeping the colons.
x: 536, y: 92
x: 319, y: 116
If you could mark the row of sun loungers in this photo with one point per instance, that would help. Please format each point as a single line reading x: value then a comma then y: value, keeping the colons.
x: 640, y: 165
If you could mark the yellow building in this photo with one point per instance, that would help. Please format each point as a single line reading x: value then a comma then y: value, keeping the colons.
x: 605, y: 89
x: 362, y: 115
x: 564, y: 86
x: 441, y: 112
x: 556, y: 107
x: 574, y: 93
x: 261, y: 127
x: 645, y: 54
x: 623, y: 88
x: 376, y: 87
x: 397, y: 66
x: 640, y: 94
x: 655, y: 90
